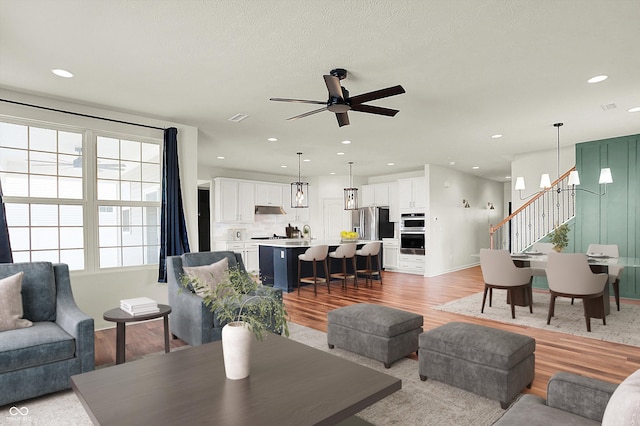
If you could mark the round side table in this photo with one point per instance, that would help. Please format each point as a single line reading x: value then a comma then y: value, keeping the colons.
x: 121, y: 317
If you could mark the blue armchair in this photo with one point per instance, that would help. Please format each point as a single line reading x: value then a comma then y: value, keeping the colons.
x: 40, y: 359
x: 190, y: 319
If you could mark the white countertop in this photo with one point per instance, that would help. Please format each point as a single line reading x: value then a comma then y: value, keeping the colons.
x: 299, y: 242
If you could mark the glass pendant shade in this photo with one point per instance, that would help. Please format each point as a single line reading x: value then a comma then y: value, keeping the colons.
x: 299, y: 191
x: 605, y: 176
x: 574, y: 178
x: 351, y: 198
x: 545, y: 181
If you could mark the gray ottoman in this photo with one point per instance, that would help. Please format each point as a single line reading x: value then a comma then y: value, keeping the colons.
x: 378, y: 332
x: 493, y: 363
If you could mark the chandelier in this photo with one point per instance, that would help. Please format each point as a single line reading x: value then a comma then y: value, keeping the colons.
x: 299, y: 191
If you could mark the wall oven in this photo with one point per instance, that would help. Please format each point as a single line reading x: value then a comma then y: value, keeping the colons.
x: 412, y: 233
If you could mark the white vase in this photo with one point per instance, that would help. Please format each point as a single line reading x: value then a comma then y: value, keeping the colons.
x: 236, y: 349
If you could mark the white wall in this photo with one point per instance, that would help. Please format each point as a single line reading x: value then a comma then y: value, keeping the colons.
x: 98, y: 292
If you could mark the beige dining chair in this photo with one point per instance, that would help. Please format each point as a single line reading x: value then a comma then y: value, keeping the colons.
x: 499, y: 271
x: 614, y: 271
x: 369, y: 251
x: 343, y: 252
x: 569, y: 275
x: 314, y: 254
x: 537, y: 267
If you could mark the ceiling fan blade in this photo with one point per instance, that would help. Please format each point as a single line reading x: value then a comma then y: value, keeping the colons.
x: 375, y: 110
x: 333, y: 86
x: 376, y: 94
x: 302, y: 101
x: 343, y: 119
x: 306, y: 114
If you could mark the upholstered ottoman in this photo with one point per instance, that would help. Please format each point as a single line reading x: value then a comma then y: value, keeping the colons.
x: 493, y: 363
x: 378, y: 332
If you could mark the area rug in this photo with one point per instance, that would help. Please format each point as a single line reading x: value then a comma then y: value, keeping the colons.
x: 622, y: 326
x: 417, y: 403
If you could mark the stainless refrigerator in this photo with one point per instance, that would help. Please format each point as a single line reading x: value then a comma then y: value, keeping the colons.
x: 372, y: 223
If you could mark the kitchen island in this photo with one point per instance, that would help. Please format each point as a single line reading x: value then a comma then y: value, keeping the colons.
x: 279, y: 261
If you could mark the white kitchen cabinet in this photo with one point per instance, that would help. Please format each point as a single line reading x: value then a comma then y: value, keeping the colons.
x: 234, y: 200
x: 390, y: 252
x: 394, y: 202
x: 376, y: 194
x: 269, y: 194
x: 412, y: 194
x: 411, y: 263
x: 248, y: 251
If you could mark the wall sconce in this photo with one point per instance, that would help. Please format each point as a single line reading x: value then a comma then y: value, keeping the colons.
x: 465, y: 203
x: 490, y: 205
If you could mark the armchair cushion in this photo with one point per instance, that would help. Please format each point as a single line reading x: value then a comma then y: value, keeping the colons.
x: 583, y: 396
x: 11, y: 303
x: 38, y: 289
x: 624, y: 406
x: 209, y: 275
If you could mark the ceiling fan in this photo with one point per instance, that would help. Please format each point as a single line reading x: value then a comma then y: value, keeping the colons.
x: 339, y: 101
x: 77, y: 162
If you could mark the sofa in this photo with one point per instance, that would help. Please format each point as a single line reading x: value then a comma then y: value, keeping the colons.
x: 578, y: 400
x: 190, y: 320
x: 54, y: 339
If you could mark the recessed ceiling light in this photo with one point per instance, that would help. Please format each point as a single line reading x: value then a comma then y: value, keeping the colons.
x: 306, y: 160
x: 475, y: 167
x: 391, y: 164
x: 507, y: 177
x: 272, y: 139
x: 283, y: 166
x: 634, y: 109
x: 332, y: 173
x: 220, y: 157
x: 597, y: 79
x: 346, y: 142
x: 496, y: 136
x: 62, y: 73
x: 452, y: 163
x: 340, y: 153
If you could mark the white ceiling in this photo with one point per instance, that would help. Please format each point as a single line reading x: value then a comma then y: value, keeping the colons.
x: 470, y: 68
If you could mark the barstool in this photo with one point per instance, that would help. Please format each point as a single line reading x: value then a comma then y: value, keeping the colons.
x: 369, y: 251
x: 344, y: 252
x: 314, y: 254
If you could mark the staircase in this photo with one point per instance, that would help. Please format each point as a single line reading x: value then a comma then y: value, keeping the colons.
x: 536, y: 218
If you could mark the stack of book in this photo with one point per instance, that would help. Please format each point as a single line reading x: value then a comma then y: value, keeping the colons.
x: 139, y: 306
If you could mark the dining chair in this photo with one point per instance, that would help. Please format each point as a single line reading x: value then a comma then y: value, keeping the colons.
x: 537, y: 267
x: 499, y: 271
x: 614, y: 271
x: 369, y: 251
x: 569, y: 275
x: 314, y: 254
x: 345, y: 251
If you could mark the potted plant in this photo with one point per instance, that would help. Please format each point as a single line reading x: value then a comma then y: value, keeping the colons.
x: 560, y: 237
x: 248, y: 308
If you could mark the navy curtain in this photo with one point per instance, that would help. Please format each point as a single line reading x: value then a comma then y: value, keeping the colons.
x: 5, y: 245
x: 173, y: 230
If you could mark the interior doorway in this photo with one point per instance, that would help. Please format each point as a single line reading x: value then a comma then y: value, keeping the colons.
x: 204, y: 220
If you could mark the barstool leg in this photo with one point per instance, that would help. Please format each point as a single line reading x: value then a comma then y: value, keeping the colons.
x: 315, y: 278
x: 355, y: 273
x: 344, y: 272
x: 299, y: 271
x: 326, y: 274
x: 379, y: 268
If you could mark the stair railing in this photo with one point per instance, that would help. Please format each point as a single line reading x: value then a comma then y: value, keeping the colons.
x: 536, y: 218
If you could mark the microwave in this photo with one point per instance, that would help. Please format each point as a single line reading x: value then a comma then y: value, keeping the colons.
x: 412, y: 222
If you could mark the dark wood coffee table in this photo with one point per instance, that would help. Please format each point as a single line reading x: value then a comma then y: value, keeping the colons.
x: 290, y: 384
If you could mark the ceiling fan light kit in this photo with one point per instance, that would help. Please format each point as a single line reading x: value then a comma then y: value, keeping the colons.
x: 339, y: 101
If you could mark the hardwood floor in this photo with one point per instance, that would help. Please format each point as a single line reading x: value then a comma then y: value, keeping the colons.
x: 554, y: 351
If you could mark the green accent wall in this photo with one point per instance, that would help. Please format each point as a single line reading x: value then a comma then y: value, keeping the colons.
x: 612, y: 218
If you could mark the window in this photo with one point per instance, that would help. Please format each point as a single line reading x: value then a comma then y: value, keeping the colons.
x: 79, y: 197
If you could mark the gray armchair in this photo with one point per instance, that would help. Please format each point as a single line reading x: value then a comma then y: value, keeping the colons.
x: 40, y: 359
x: 190, y: 319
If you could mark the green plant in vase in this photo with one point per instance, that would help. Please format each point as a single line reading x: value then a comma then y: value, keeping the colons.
x: 560, y: 237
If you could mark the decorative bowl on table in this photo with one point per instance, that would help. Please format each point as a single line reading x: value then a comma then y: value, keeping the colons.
x: 349, y: 236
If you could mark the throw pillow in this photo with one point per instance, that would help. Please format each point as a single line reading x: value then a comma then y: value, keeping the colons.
x: 624, y: 406
x: 209, y: 275
x: 11, y: 303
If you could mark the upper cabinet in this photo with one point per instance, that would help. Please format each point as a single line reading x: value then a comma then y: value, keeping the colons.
x: 269, y: 194
x: 376, y: 194
x: 412, y: 194
x: 394, y: 202
x: 234, y: 200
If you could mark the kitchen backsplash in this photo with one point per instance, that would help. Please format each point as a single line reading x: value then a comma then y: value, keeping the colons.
x: 263, y: 226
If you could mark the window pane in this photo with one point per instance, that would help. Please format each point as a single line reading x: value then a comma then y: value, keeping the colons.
x: 151, y: 255
x: 44, y: 238
x: 43, y: 163
x: 108, y: 190
x: 14, y: 184
x: 109, y: 257
x: 17, y: 214
x: 131, y: 191
x: 13, y: 160
x: 44, y: 215
x: 130, y: 150
x: 73, y: 258
x: 135, y: 215
x: 45, y: 256
x: 42, y: 139
x: 20, y: 256
x: 108, y: 147
x: 71, y: 215
x: 13, y: 135
x: 70, y: 165
x: 132, y: 256
x: 151, y: 216
x: 19, y: 238
x: 109, y: 236
x: 43, y: 186
x: 131, y: 171
x: 151, y: 152
x: 70, y: 143
x: 108, y: 215
x: 108, y: 169
x: 71, y: 238
x: 133, y: 237
x: 150, y: 172
x: 70, y: 188
x: 151, y: 236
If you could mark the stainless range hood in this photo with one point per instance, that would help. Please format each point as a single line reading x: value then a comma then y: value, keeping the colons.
x: 269, y: 210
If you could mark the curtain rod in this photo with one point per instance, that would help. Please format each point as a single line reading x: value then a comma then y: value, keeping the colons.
x: 81, y: 115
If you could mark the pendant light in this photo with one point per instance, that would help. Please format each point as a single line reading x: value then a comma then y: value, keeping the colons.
x: 351, y: 193
x: 299, y: 191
